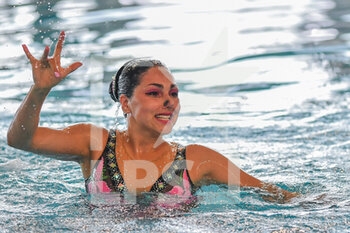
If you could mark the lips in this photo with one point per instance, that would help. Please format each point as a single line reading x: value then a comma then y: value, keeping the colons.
x: 164, y: 117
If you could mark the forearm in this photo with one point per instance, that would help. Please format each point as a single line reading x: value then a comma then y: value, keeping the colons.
x: 26, y: 119
x: 210, y: 167
x: 246, y: 180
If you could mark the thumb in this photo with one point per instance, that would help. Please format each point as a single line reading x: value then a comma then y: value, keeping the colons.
x: 70, y: 69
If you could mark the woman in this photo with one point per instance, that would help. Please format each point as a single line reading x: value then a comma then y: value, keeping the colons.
x: 137, y: 160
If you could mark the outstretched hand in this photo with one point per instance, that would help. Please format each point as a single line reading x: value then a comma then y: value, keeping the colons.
x: 48, y: 72
x: 276, y: 194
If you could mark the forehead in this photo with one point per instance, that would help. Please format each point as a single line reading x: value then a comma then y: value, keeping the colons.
x: 159, y: 75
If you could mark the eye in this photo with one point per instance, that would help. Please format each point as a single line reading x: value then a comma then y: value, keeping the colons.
x: 174, y: 93
x: 153, y: 93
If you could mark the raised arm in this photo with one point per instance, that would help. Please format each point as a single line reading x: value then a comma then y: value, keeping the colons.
x: 210, y: 167
x: 24, y: 132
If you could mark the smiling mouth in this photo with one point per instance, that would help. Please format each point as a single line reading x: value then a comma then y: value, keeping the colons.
x: 163, y: 117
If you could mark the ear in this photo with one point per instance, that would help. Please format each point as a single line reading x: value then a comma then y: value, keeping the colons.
x: 124, y: 102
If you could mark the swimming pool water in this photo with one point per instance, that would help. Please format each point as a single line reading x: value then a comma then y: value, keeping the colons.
x: 266, y: 83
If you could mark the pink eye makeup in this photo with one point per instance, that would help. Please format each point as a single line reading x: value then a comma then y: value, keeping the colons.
x: 154, y: 92
x: 174, y: 92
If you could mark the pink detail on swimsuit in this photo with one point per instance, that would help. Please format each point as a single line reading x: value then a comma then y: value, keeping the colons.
x: 183, y: 195
x: 177, y: 190
x: 98, y: 185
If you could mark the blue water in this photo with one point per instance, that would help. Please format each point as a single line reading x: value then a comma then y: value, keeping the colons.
x: 266, y: 83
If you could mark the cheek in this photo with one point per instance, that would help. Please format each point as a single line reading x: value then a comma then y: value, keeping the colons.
x: 178, y: 106
x: 144, y: 109
x: 177, y: 110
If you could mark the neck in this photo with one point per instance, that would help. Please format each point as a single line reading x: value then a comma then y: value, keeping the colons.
x: 140, y: 142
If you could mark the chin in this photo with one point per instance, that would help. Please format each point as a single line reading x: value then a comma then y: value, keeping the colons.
x: 166, y: 130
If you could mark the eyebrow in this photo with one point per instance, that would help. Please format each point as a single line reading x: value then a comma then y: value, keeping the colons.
x: 161, y: 86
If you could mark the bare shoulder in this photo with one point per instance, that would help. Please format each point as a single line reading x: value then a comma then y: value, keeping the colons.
x: 88, y: 132
x: 87, y: 129
x: 80, y: 128
x: 199, y: 152
x: 201, y: 162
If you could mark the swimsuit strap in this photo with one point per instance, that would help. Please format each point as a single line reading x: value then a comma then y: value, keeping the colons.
x: 111, y: 163
x: 176, y: 169
x: 181, y: 152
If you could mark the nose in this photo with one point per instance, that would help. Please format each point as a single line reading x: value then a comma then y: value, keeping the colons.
x: 168, y: 102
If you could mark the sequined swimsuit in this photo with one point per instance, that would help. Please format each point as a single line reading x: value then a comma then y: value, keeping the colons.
x: 106, y: 176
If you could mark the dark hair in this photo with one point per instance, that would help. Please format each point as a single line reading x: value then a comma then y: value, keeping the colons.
x: 129, y: 76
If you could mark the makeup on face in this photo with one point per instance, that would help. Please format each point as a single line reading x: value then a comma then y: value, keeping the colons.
x: 156, y: 90
x: 155, y: 103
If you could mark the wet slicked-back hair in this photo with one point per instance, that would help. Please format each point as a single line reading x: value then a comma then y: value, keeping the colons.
x: 129, y: 76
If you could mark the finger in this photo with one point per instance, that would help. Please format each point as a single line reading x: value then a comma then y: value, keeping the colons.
x: 28, y: 54
x: 59, y: 45
x: 45, y: 54
x: 70, y: 69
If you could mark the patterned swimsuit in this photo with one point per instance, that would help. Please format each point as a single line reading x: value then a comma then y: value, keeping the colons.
x: 106, y: 176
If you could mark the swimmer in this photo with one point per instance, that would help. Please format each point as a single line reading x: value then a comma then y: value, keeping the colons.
x: 136, y: 160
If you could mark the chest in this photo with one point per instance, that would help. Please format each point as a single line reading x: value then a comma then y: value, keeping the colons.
x: 141, y: 175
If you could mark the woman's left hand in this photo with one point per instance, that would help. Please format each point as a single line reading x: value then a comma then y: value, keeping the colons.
x: 47, y: 71
x: 277, y: 194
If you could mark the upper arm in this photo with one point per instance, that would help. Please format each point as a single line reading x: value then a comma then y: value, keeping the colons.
x: 209, y: 166
x: 75, y: 142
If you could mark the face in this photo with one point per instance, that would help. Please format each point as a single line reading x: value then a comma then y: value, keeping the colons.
x: 154, y: 104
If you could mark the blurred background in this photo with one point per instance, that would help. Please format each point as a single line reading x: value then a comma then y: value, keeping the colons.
x: 266, y: 83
